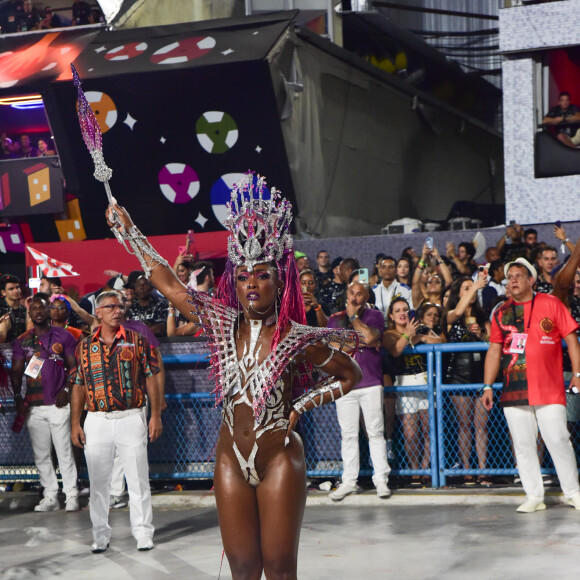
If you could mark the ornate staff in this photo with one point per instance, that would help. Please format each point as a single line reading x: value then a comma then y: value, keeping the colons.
x: 133, y: 240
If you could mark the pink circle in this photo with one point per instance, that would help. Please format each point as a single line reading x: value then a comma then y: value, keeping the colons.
x: 178, y: 182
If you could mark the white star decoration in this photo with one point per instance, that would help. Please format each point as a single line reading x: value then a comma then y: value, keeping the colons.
x: 200, y: 220
x: 258, y: 149
x: 130, y: 121
x: 163, y: 139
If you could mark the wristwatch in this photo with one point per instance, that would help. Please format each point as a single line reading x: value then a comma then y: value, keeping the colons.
x: 577, y: 375
x: 353, y: 317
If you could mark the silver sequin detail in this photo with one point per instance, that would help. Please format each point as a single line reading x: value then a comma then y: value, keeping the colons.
x: 317, y: 397
x: 140, y: 247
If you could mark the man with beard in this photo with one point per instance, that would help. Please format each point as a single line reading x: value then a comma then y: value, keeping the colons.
x: 45, y: 354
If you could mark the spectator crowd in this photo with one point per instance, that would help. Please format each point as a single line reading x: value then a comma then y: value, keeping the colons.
x: 426, y: 297
x: 23, y: 147
x: 26, y: 15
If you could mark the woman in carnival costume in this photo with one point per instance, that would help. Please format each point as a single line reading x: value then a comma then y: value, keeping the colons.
x: 262, y: 355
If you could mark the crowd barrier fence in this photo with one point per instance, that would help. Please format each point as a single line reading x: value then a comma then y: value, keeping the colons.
x: 444, y: 445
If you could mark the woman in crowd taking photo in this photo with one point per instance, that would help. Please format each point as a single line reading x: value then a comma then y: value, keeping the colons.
x: 410, y: 370
x: 262, y: 358
x: 430, y: 277
x: 316, y: 314
x: 465, y: 321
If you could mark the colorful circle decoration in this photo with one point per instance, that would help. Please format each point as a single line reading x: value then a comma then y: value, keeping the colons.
x: 126, y: 354
x: 178, y: 182
x: 126, y: 51
x: 220, y: 194
x: 183, y: 50
x: 104, y: 108
x: 217, y: 131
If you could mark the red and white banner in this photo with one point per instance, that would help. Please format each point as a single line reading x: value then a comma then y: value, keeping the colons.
x: 49, y: 266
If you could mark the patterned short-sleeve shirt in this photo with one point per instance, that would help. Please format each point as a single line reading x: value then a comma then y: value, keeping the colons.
x: 115, y: 376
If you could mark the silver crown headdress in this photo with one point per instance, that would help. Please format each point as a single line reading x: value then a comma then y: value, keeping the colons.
x: 259, y: 227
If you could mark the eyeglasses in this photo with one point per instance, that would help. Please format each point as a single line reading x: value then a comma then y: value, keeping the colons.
x: 113, y: 307
x: 58, y: 307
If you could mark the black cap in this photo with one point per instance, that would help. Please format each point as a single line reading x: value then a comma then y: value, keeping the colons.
x: 336, y: 262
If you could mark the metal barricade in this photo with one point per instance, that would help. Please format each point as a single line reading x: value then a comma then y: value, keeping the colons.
x: 456, y: 432
x: 411, y: 437
x: 480, y: 446
x: 16, y: 457
x: 471, y: 440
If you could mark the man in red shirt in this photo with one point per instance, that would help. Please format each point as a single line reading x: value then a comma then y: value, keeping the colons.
x: 526, y: 337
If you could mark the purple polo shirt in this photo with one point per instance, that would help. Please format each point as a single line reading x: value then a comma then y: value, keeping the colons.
x: 142, y: 329
x: 369, y: 359
x: 52, y: 347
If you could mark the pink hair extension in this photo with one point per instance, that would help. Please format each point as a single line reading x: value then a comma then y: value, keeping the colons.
x: 292, y: 304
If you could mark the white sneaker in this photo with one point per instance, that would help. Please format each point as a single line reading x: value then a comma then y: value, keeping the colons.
x: 531, y: 505
x: 574, y: 501
x: 47, y: 504
x: 342, y: 491
x: 72, y: 504
x: 144, y: 544
x: 99, y: 546
x: 383, y: 490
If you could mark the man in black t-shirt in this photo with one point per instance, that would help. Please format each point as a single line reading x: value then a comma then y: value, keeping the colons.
x: 562, y: 117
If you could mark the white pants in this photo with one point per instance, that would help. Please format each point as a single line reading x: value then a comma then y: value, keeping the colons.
x: 124, y: 433
x: 370, y: 401
x: 118, y: 478
x: 523, y: 423
x: 50, y: 424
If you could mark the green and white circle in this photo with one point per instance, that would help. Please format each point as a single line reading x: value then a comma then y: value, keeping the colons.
x: 217, y: 131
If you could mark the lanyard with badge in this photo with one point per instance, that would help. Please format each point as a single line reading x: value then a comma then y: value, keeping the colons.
x: 519, y: 339
x: 35, y: 364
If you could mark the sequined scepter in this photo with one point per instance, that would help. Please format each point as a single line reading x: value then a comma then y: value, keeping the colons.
x: 94, y: 141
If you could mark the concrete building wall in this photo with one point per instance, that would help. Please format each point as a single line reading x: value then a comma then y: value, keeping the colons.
x: 155, y: 13
x: 524, y: 29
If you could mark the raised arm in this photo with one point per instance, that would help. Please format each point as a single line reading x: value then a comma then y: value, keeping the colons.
x: 160, y: 272
x: 565, y: 277
x: 418, y: 288
x: 461, y: 308
x: 442, y: 267
x: 5, y: 326
x: 86, y: 317
x: 396, y: 342
x: 560, y: 234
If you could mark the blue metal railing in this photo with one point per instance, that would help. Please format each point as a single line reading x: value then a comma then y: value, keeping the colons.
x: 428, y: 388
x: 187, y: 448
